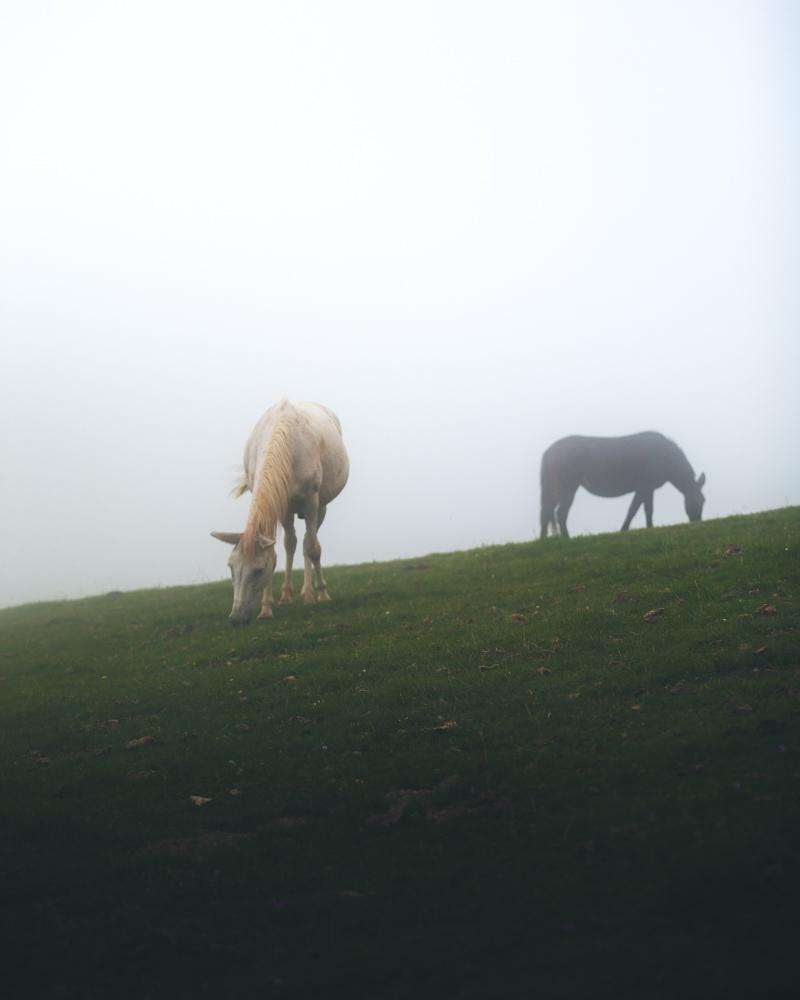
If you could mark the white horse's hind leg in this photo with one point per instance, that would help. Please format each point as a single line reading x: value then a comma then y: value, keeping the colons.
x: 290, y: 543
x: 321, y: 585
x: 312, y: 552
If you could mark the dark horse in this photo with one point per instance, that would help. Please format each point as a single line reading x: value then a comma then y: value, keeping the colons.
x: 611, y: 467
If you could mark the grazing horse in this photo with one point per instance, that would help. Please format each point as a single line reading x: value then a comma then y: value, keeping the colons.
x: 294, y: 463
x: 611, y: 467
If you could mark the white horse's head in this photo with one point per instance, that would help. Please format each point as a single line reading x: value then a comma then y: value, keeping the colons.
x: 251, y: 570
x: 693, y: 499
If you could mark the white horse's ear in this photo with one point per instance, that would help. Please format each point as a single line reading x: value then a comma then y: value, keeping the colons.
x: 701, y: 482
x: 264, y: 541
x: 229, y: 537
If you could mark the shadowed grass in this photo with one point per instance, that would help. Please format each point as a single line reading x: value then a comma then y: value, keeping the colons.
x: 477, y: 774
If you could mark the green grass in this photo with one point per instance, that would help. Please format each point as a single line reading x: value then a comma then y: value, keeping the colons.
x: 473, y: 775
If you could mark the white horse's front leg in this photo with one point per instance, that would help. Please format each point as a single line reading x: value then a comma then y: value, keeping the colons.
x: 266, y: 597
x: 290, y: 543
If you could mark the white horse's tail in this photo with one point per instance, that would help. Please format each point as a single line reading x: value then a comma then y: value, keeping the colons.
x: 240, y: 487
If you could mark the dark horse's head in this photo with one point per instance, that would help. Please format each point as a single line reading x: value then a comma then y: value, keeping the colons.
x: 694, y: 499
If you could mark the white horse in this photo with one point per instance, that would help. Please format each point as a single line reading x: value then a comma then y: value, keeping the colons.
x: 294, y: 463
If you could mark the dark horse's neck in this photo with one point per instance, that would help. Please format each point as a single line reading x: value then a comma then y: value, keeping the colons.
x: 681, y: 474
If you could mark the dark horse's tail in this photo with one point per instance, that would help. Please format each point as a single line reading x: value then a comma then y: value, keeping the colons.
x: 549, y: 499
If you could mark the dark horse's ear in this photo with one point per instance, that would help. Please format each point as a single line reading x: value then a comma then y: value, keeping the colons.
x: 701, y: 482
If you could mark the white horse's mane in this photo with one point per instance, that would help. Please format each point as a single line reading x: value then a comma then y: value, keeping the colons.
x: 271, y: 490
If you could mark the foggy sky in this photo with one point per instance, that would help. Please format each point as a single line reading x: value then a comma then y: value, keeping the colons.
x: 469, y: 228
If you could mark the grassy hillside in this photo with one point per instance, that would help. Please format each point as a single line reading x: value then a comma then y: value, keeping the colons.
x: 562, y: 769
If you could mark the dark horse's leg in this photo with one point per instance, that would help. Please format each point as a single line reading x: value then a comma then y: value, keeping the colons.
x: 564, y: 504
x: 648, y: 508
x: 547, y: 516
x: 547, y: 505
x: 636, y: 503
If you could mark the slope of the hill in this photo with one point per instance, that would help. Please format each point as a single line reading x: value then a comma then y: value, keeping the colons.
x: 563, y: 769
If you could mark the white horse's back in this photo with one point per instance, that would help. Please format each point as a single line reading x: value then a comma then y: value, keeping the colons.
x: 319, y: 460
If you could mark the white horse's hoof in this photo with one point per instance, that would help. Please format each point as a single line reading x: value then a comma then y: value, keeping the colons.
x: 265, y: 615
x: 323, y: 595
x: 285, y: 599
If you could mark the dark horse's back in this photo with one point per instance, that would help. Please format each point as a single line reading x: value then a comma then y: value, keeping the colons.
x: 607, y: 466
